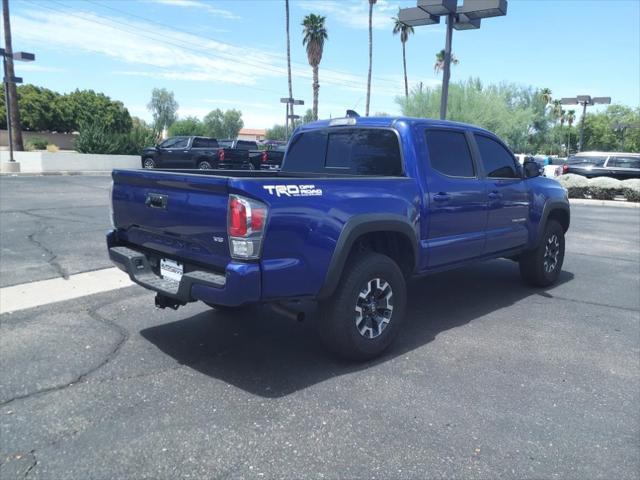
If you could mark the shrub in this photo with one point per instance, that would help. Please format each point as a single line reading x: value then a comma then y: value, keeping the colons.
x: 576, y: 185
x: 52, y: 148
x: 604, y: 188
x: 631, y: 189
x: 37, y: 143
x: 98, y: 139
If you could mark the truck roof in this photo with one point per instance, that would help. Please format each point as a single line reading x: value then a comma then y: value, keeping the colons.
x: 388, y: 122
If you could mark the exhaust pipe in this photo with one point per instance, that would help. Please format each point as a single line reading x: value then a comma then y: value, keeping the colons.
x: 290, y: 313
x: 163, y: 301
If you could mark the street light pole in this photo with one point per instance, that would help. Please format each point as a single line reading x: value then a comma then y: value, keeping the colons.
x: 585, y: 101
x: 584, y: 114
x: 6, y: 106
x: 446, y: 74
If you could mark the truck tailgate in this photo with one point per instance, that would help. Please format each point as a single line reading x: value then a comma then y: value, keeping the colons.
x: 181, y: 216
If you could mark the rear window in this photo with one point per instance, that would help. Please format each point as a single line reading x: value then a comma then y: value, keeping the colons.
x: 356, y: 151
x: 449, y: 153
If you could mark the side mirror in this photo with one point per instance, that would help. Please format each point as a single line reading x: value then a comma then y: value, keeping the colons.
x: 530, y: 169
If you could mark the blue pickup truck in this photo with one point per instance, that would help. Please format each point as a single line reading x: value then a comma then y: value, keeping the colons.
x: 360, y: 206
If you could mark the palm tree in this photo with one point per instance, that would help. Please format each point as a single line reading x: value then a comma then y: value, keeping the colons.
x: 545, y: 93
x: 557, y: 110
x: 563, y: 117
x: 314, y: 34
x: 439, y: 65
x: 404, y: 31
x: 371, y: 4
x: 289, y: 106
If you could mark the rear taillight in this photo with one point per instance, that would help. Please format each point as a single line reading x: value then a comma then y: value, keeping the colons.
x: 565, y: 168
x: 264, y: 157
x: 247, y: 220
x: 221, y: 155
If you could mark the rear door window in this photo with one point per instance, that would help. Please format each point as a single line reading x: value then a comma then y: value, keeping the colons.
x: 497, y: 160
x: 449, y: 153
x: 624, y: 162
x: 355, y: 151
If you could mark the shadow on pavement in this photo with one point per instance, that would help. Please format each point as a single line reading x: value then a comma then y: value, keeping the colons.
x: 269, y: 355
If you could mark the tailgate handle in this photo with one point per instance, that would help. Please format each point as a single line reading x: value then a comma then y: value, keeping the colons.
x: 156, y: 200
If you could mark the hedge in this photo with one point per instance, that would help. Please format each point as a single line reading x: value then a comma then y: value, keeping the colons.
x: 576, y: 185
x: 600, y: 188
x: 631, y: 189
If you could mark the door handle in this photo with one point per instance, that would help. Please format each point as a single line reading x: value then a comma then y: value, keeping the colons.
x: 495, y: 196
x: 441, y: 197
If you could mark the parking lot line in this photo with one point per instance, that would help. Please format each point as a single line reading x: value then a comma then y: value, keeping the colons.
x: 34, y: 294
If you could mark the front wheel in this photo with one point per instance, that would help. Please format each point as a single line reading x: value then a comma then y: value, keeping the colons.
x: 541, y: 267
x: 364, y: 315
x: 148, y: 163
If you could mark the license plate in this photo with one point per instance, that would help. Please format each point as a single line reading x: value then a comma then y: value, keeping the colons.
x: 171, y: 270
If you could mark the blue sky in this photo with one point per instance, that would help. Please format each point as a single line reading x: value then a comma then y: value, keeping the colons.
x: 231, y: 53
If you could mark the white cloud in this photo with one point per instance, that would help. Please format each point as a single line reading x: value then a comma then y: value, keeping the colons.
x: 202, y: 6
x: 354, y: 13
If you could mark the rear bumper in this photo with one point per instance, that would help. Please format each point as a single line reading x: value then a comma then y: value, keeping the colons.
x: 239, y: 285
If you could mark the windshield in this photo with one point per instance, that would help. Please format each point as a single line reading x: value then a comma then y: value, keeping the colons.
x: 596, y: 161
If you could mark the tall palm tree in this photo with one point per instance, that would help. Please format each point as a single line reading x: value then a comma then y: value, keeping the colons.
x: 314, y: 34
x: 545, y: 93
x: 557, y: 110
x: 289, y: 106
x: 439, y: 65
x: 371, y: 4
x: 563, y: 117
x: 404, y: 31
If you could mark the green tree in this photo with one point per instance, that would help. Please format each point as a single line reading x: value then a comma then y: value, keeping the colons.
x: 186, y: 127
x: 213, y: 124
x: 277, y: 132
x: 438, y: 66
x: 232, y: 123
x: 314, y: 34
x: 545, y: 93
x: 371, y: 4
x: 308, y: 116
x: 86, y: 107
x: 404, y: 30
x: 163, y: 107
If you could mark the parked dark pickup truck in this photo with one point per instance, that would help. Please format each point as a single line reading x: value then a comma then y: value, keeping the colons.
x: 360, y: 205
x: 182, y: 152
x: 271, y: 159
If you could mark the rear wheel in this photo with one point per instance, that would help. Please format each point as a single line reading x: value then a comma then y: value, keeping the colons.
x: 364, y: 315
x: 148, y: 163
x: 204, y: 165
x: 541, y: 267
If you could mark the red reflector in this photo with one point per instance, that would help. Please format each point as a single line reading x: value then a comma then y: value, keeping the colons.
x: 257, y: 219
x: 237, y: 218
x: 565, y: 168
x: 264, y: 157
x: 221, y: 155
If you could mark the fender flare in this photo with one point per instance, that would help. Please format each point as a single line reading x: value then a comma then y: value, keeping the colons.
x: 548, y: 208
x: 353, y: 229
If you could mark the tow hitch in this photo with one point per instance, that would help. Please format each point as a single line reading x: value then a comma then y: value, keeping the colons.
x: 162, y: 301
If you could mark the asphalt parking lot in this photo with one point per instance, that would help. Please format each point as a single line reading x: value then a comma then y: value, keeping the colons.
x: 489, y: 379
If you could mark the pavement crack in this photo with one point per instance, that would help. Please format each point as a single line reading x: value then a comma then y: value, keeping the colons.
x: 81, y: 378
x: 33, y: 463
x: 597, y: 304
x: 51, y: 260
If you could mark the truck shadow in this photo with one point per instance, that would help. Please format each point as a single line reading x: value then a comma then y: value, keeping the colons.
x: 269, y: 355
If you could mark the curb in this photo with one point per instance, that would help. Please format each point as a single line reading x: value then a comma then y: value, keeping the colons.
x: 95, y: 173
x: 603, y: 203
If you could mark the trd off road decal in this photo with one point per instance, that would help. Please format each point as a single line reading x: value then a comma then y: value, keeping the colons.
x: 293, y: 190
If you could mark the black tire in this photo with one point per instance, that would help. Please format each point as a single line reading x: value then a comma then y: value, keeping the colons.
x: 541, y: 267
x: 347, y: 322
x: 148, y: 163
x: 204, y: 165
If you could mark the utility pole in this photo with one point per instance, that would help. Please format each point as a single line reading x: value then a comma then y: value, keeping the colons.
x: 11, y: 92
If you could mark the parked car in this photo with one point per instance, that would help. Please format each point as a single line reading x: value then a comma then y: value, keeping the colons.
x: 604, y: 164
x: 546, y: 168
x: 182, y: 152
x: 271, y: 159
x: 360, y: 205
